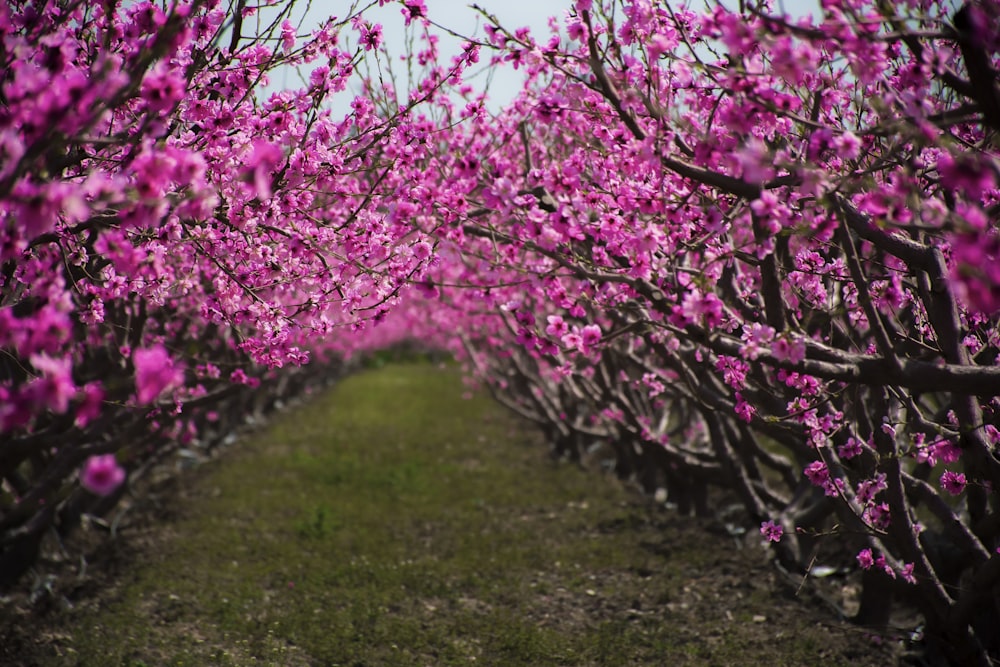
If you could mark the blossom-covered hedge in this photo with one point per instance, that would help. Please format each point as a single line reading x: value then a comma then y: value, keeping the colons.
x: 173, y: 240
x: 759, y: 251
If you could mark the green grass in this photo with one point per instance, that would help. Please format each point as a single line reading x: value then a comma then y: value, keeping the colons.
x: 392, y: 522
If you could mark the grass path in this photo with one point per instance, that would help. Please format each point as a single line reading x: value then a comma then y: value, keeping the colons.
x: 392, y: 522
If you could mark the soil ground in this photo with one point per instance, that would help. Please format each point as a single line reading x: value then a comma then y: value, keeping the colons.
x: 392, y: 521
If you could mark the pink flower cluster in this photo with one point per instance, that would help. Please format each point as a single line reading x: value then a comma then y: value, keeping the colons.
x: 775, y: 298
x: 102, y: 475
x: 160, y: 211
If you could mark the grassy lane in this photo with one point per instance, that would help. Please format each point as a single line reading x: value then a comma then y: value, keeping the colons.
x: 392, y: 522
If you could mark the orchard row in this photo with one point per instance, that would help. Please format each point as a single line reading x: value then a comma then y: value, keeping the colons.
x: 734, y: 248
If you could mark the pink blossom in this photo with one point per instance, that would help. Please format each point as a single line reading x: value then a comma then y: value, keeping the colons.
x: 975, y: 269
x: 735, y: 32
x: 877, y: 515
x: 163, y: 88
x: 413, y: 9
x: 371, y: 35
x: 756, y: 337
x: 661, y: 43
x: 788, y: 348
x: 706, y: 309
x: 422, y: 250
x: 882, y: 563
x: 55, y: 387
x: 966, y: 175
x: 264, y: 157
x: 590, y: 335
x: 239, y: 376
x: 573, y: 340
x: 557, y: 327
x: 653, y: 383
x: 734, y: 371
x: 865, y: 559
x: 869, y: 488
x: 287, y: 35
x: 817, y: 473
x: 576, y: 30
x: 848, y: 145
x: 90, y: 406
x: 771, y: 531
x: 946, y: 450
x: 427, y: 289
x: 744, y: 410
x: 155, y: 373
x: 102, y: 474
x: 953, y: 482
x: 758, y: 167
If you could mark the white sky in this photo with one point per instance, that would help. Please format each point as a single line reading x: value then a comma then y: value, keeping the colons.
x: 459, y: 16
x: 456, y: 15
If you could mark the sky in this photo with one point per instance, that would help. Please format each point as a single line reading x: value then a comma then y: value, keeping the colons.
x: 460, y: 17
x: 456, y: 15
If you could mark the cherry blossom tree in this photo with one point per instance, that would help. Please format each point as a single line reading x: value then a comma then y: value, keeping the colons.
x: 743, y: 249
x: 175, y: 243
